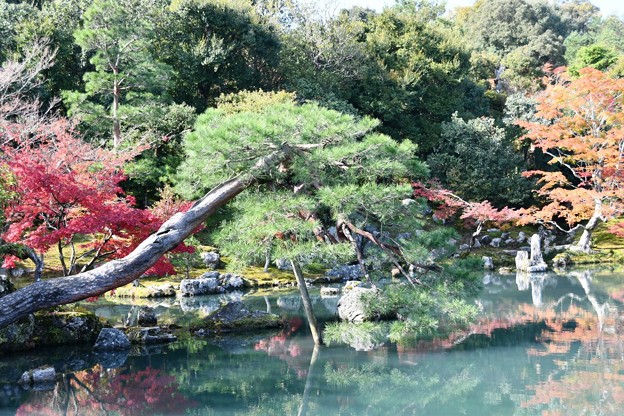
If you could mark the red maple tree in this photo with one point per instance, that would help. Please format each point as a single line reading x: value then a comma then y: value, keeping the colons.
x: 581, y: 128
x: 474, y: 214
x: 65, y: 189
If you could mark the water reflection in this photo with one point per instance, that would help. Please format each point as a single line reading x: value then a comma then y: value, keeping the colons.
x: 544, y: 345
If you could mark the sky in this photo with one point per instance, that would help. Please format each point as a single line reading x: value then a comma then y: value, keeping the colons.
x: 607, y: 7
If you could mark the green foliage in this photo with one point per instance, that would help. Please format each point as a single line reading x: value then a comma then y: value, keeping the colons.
x: 216, y: 47
x: 594, y: 56
x: 478, y: 161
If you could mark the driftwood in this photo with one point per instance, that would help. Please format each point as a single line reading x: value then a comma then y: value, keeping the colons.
x: 116, y: 273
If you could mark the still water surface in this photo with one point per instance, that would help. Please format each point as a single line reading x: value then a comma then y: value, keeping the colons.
x: 544, y: 345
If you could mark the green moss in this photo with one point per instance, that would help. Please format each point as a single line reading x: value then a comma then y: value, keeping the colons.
x: 596, y: 257
x: 146, y: 291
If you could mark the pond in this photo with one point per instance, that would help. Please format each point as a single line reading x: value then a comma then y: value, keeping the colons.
x: 544, y: 345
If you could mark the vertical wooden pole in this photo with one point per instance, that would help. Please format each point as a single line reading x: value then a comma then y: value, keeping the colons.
x: 307, y: 305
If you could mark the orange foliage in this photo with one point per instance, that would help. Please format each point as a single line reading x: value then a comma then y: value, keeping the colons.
x: 581, y: 128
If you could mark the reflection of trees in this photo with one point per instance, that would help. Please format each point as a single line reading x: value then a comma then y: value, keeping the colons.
x: 102, y: 391
x: 592, y: 382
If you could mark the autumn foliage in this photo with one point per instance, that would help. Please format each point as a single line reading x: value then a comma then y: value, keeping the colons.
x: 65, y: 189
x: 581, y: 129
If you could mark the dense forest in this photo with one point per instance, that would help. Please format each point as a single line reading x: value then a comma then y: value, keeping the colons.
x: 341, y: 127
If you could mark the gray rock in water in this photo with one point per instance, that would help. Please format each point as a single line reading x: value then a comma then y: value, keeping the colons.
x: 351, y: 306
x: 147, y: 317
x: 488, y: 263
x: 112, y: 339
x: 200, y: 286
x: 211, y: 259
x: 236, y: 316
x: 344, y: 273
x: 153, y: 335
x: 38, y: 376
x: 112, y: 359
x: 329, y: 291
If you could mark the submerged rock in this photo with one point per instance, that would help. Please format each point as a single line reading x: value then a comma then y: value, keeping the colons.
x: 112, y: 339
x: 329, y: 291
x: 147, y: 317
x: 235, y: 316
x: 488, y: 263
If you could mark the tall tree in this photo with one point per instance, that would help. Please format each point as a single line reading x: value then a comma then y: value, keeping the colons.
x: 116, y: 38
x: 581, y: 128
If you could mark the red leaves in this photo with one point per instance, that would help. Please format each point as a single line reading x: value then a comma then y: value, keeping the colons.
x: 449, y: 204
x: 66, y: 187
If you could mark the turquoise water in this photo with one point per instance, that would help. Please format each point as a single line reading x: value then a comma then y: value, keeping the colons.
x: 548, y: 345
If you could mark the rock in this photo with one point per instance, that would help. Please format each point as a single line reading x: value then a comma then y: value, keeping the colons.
x: 521, y: 237
x: 504, y: 236
x: 236, y: 316
x: 38, y: 376
x: 6, y: 286
x: 492, y: 230
x: 351, y: 306
x: 112, y: 339
x: 476, y: 243
x: 200, y: 286
x: 147, y: 317
x: 562, y: 260
x: 210, y: 275
x: 211, y: 259
x: 231, y: 281
x: 485, y: 240
x: 283, y: 264
x: 153, y: 335
x: 346, y: 272
x: 329, y: 291
x: 464, y: 247
x: 510, y: 242
x: 18, y: 335
x: 488, y: 263
x: 496, y: 242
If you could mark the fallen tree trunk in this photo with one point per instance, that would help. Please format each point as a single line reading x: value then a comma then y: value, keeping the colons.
x: 116, y: 273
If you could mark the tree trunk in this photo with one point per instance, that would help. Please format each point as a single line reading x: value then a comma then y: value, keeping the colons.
x: 307, y: 305
x: 584, y: 243
x: 116, y: 124
x: 64, y: 290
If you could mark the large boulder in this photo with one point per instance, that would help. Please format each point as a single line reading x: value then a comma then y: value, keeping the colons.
x: 112, y: 339
x: 201, y: 286
x: 230, y: 281
x: 47, y: 329
x: 351, y: 306
x: 235, y: 316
